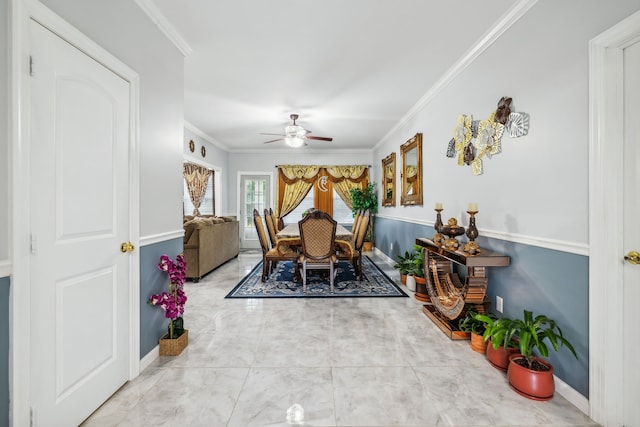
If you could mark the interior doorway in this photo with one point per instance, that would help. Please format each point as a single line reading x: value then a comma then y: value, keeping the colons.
x: 255, y: 193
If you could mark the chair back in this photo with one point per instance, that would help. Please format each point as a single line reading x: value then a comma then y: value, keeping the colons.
x: 356, y: 224
x: 277, y: 222
x: 271, y: 228
x: 361, y: 233
x: 262, y: 235
x: 318, y: 235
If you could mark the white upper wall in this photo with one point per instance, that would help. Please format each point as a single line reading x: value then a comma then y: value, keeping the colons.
x: 4, y: 132
x: 538, y: 186
x: 122, y: 28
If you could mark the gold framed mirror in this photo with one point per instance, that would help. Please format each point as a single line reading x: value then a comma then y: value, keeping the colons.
x: 411, y: 174
x: 389, y: 180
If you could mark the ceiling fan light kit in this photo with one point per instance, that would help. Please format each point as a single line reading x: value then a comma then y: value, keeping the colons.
x: 296, y: 135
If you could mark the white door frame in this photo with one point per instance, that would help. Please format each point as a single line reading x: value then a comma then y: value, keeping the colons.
x: 606, y: 143
x: 239, y: 193
x: 19, y: 358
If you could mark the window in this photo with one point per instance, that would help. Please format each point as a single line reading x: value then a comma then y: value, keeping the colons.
x: 341, y: 211
x: 206, y: 206
x: 296, y: 215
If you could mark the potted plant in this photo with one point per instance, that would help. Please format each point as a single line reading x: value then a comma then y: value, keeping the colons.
x: 417, y: 270
x: 529, y: 375
x: 476, y: 327
x: 404, y: 264
x: 172, y: 302
x: 361, y: 200
x: 500, y: 346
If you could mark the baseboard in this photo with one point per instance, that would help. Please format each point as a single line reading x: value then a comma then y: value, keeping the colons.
x: 147, y: 360
x: 574, y: 397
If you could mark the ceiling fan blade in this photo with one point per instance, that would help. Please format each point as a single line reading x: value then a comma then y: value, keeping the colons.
x: 273, y: 140
x: 319, y: 138
x: 279, y: 134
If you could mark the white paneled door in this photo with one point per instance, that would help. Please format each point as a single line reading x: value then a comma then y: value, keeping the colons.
x: 79, y: 186
x: 254, y: 194
x: 631, y: 235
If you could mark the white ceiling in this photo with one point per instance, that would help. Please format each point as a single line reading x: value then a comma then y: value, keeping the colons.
x: 352, y: 69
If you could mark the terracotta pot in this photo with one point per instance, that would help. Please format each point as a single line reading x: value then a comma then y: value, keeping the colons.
x: 500, y: 358
x: 367, y: 246
x: 477, y: 344
x: 536, y: 385
x: 421, y: 290
x: 403, y: 278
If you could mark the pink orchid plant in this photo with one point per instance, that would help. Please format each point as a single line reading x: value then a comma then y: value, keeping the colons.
x: 172, y: 302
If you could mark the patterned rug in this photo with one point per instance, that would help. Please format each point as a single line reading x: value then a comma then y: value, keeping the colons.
x: 280, y: 283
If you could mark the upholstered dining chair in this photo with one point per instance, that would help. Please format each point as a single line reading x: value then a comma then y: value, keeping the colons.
x: 271, y: 228
x: 277, y: 222
x: 318, y: 236
x: 270, y: 256
x: 352, y: 251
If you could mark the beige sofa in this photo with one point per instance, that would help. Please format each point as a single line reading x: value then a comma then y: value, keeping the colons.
x: 208, y: 243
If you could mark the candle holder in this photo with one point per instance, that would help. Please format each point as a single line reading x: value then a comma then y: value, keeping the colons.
x: 472, y: 247
x: 452, y: 229
x: 438, y: 238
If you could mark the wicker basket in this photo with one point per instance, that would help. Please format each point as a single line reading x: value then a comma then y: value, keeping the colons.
x: 173, y: 347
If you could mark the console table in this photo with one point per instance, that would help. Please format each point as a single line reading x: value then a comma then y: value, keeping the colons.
x: 438, y: 266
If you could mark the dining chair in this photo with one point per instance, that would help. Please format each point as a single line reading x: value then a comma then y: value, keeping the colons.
x: 277, y: 222
x: 318, y: 236
x: 271, y: 228
x: 352, y: 251
x: 270, y: 256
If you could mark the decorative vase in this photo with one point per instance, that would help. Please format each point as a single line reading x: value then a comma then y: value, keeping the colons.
x: 478, y: 344
x: 173, y: 347
x: 411, y: 283
x: 500, y: 358
x: 536, y: 385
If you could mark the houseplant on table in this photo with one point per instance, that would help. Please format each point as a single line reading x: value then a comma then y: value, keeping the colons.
x: 172, y: 303
x: 529, y: 375
x: 361, y: 200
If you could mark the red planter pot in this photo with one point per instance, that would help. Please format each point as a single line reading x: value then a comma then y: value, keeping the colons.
x: 536, y: 385
x: 478, y: 344
x: 500, y: 358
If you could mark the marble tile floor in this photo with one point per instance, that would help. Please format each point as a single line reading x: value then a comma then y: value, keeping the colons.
x: 347, y: 362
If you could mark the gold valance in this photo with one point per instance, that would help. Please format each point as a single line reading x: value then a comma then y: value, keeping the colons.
x: 296, y: 172
x: 354, y: 173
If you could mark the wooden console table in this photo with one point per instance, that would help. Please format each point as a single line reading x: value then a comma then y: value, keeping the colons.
x: 438, y: 264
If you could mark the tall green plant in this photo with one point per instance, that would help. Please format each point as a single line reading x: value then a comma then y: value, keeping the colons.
x: 363, y: 199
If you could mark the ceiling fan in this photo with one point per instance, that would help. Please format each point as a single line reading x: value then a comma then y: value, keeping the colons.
x: 295, y: 135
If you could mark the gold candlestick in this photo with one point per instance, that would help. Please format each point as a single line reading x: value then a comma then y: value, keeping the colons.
x: 438, y: 238
x: 472, y: 247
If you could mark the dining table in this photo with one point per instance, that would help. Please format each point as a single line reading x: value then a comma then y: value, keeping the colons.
x: 292, y: 231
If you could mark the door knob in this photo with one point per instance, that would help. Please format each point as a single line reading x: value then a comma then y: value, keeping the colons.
x: 127, y: 247
x: 633, y: 257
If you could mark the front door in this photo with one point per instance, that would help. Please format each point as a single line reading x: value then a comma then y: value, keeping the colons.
x: 79, y: 204
x: 254, y: 194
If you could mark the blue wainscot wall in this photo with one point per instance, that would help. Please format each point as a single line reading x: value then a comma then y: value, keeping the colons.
x: 153, y: 324
x: 541, y: 280
x: 4, y: 351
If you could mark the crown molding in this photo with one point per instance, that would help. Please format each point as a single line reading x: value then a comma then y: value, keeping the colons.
x: 512, y: 16
x: 193, y: 128
x: 152, y: 11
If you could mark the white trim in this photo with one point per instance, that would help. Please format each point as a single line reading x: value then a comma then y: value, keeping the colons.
x: 557, y: 245
x: 606, y: 147
x: 147, y: 360
x: 158, y: 18
x: 194, y: 129
x: 19, y: 358
x: 6, y: 267
x: 573, y: 396
x: 504, y: 23
x: 161, y: 237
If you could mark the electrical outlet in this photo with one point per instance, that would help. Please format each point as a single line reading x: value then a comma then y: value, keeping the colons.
x: 499, y: 304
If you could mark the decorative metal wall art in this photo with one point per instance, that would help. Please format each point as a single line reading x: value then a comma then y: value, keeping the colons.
x: 475, y: 139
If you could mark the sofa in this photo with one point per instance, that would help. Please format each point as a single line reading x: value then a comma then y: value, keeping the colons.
x: 209, y: 242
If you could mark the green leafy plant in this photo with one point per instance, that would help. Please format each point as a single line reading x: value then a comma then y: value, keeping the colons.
x: 405, y: 262
x: 475, y: 324
x: 363, y: 199
x: 412, y: 262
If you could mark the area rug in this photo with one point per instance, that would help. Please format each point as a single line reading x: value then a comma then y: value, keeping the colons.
x: 280, y: 283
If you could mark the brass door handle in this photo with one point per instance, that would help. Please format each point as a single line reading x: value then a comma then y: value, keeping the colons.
x: 632, y: 257
x: 127, y: 247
